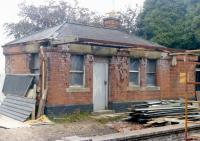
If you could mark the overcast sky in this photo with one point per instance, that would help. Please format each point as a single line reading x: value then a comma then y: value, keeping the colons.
x: 9, y: 10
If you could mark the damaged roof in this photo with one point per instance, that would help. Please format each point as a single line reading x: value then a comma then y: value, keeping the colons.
x: 89, y: 33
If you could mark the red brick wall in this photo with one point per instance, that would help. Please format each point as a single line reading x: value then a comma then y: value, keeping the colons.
x: 59, y: 67
x: 17, y: 64
x: 16, y: 60
x: 58, y: 72
x: 177, y: 88
x: 167, y: 81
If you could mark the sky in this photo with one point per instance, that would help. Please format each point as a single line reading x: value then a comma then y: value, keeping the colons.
x: 9, y: 13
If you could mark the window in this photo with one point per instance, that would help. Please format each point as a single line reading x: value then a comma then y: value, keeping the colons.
x: 151, y: 72
x: 134, y: 71
x: 197, y: 87
x: 35, y: 63
x: 77, y: 70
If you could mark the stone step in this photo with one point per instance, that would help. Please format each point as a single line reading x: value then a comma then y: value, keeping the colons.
x: 74, y: 138
x: 103, y: 112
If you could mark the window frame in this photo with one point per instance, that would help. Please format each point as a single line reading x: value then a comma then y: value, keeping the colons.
x: 155, y: 73
x: 134, y: 71
x: 77, y: 71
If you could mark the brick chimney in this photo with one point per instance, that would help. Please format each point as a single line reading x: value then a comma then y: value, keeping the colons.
x: 112, y: 22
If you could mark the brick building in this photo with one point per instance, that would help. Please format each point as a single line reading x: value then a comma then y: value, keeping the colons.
x: 94, y: 68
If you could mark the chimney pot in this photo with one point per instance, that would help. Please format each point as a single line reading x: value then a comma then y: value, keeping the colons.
x: 112, y: 23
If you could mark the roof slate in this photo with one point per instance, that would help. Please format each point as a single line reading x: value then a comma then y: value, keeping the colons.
x: 85, y: 31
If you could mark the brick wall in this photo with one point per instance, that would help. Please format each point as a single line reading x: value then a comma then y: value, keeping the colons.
x: 167, y: 78
x: 59, y: 76
x: 16, y: 60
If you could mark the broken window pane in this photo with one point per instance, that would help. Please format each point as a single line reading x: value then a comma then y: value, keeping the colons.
x: 76, y: 70
x: 134, y: 71
x: 133, y: 79
x: 77, y: 62
x: 76, y: 78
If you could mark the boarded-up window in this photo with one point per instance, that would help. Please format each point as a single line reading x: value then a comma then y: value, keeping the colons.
x: 151, y: 72
x: 77, y: 70
x: 134, y: 71
x: 35, y: 63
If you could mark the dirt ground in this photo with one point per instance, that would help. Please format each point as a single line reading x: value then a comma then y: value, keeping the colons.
x: 55, y: 131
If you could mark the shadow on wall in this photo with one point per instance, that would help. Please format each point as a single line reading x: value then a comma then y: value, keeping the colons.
x: 2, y: 96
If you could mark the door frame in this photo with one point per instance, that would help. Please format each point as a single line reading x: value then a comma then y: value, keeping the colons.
x: 106, y: 61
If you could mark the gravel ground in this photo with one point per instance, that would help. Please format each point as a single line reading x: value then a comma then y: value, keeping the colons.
x: 55, y: 132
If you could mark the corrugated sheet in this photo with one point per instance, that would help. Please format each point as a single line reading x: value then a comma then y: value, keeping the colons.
x: 85, y: 31
x: 18, y: 108
x: 17, y: 84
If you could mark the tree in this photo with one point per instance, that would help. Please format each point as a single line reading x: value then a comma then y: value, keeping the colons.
x: 33, y: 18
x: 174, y: 23
x: 128, y: 17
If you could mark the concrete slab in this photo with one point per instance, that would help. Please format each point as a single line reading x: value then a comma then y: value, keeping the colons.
x: 6, y: 122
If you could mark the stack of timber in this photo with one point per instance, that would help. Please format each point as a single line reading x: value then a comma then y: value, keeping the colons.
x: 148, y: 111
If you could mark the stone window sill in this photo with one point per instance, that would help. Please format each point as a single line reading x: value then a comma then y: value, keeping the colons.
x: 138, y: 88
x: 133, y: 88
x: 77, y: 89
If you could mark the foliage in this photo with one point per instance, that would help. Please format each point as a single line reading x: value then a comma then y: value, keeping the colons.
x: 75, y: 117
x: 127, y: 18
x: 34, y: 18
x: 172, y: 23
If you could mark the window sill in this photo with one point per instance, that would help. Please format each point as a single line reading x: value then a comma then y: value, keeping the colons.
x: 77, y: 89
x: 138, y: 88
x: 133, y: 88
x: 152, y: 88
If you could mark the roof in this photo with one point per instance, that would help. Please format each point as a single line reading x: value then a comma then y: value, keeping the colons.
x: 85, y: 32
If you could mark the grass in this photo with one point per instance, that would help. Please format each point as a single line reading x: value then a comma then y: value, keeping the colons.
x: 75, y: 117
x: 82, y: 116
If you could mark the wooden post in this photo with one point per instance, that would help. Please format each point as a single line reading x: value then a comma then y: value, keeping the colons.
x: 43, y: 84
x: 186, y: 98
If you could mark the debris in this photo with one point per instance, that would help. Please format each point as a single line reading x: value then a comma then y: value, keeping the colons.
x: 165, y: 108
x: 17, y: 84
x: 43, y: 120
x: 18, y: 108
x: 8, y: 123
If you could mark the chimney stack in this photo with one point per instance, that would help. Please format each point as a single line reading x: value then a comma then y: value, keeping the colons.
x: 112, y: 22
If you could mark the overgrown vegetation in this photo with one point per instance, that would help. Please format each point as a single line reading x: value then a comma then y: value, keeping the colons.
x: 172, y: 23
x: 83, y: 116
x: 75, y: 117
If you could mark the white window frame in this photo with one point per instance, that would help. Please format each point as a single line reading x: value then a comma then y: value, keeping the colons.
x: 134, y: 71
x: 77, y: 71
